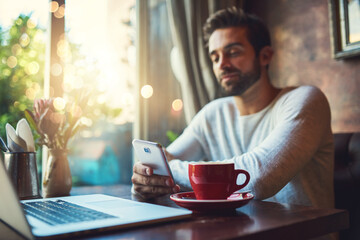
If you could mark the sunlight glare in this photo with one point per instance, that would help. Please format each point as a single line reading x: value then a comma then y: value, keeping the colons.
x: 39, y: 36
x: 79, y: 83
x: 68, y: 86
x: 127, y: 99
x: 131, y: 55
x: 101, y: 99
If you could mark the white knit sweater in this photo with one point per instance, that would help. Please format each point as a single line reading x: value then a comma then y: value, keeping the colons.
x: 287, y: 147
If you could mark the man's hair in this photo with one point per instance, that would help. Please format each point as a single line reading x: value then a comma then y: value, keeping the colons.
x: 257, y: 33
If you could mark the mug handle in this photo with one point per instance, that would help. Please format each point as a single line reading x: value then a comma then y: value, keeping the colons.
x: 237, y: 172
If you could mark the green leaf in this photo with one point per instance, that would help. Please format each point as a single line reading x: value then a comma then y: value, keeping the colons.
x: 171, y: 135
x: 31, y: 119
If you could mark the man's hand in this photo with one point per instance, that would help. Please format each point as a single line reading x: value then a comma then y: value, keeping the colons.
x: 168, y: 155
x: 149, y: 185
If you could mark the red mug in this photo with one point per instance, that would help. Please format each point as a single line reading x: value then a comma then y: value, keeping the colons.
x: 215, y: 180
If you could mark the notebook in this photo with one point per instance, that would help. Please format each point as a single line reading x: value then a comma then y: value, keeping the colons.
x: 76, y: 215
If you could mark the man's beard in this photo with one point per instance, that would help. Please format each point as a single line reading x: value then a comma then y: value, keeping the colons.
x: 243, y: 82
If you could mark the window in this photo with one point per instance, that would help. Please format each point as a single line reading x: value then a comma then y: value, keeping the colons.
x: 101, y: 58
x: 97, y: 53
x: 22, y: 55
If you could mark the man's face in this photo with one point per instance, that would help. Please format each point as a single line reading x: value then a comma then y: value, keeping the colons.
x: 234, y: 60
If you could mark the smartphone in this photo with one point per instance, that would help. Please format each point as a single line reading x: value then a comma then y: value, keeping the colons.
x: 151, y: 154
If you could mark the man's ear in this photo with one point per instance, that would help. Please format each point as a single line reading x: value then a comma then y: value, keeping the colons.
x: 265, y: 55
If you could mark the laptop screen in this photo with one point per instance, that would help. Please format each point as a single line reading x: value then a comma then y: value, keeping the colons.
x: 10, y: 210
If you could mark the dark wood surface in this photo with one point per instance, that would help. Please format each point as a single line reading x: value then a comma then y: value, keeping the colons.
x: 256, y: 220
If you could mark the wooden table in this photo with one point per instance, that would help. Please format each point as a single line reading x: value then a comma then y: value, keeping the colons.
x: 256, y: 220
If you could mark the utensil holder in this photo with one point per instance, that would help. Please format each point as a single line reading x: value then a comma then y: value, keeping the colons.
x: 22, y: 170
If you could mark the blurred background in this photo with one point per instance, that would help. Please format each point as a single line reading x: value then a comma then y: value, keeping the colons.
x: 95, y: 50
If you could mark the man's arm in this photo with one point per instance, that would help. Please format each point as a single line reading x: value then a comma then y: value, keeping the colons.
x: 286, y: 150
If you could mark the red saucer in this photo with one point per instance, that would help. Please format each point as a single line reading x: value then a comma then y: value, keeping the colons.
x: 188, y: 200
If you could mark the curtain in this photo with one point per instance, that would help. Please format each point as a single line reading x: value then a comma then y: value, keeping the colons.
x: 189, y: 57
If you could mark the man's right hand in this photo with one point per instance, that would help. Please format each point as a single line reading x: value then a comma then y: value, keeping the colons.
x: 149, y: 185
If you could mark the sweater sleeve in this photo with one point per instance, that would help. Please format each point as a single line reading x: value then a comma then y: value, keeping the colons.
x: 185, y: 149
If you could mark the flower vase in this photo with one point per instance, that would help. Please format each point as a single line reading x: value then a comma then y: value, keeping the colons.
x: 57, y: 179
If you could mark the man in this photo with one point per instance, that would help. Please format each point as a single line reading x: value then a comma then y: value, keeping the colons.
x: 282, y: 137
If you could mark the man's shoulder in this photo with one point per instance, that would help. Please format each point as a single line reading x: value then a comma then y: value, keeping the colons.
x: 303, y: 89
x: 304, y: 92
x: 300, y: 98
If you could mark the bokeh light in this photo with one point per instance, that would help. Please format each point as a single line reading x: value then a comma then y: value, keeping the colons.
x: 60, y: 13
x: 63, y: 50
x: 32, y: 68
x: 6, y: 72
x: 147, y: 91
x: 56, y: 69
x: 18, y: 21
x: 86, y: 121
x: 30, y: 93
x: 54, y: 6
x: 177, y: 105
x: 11, y: 61
x: 24, y: 40
x: 31, y: 23
x: 16, y: 49
x: 59, y: 103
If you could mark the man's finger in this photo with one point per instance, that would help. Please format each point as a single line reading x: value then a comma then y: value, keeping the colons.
x: 154, y: 180
x: 154, y: 191
x: 139, y: 168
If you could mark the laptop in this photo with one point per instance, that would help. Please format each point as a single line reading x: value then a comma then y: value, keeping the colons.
x: 76, y: 215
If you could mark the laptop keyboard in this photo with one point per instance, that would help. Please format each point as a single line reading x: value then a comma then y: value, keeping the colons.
x: 55, y: 212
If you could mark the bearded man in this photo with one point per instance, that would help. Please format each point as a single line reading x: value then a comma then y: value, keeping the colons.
x: 282, y: 137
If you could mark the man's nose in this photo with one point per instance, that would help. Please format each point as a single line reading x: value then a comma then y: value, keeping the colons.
x: 224, y: 62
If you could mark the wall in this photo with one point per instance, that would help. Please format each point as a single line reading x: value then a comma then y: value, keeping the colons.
x: 301, y: 38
